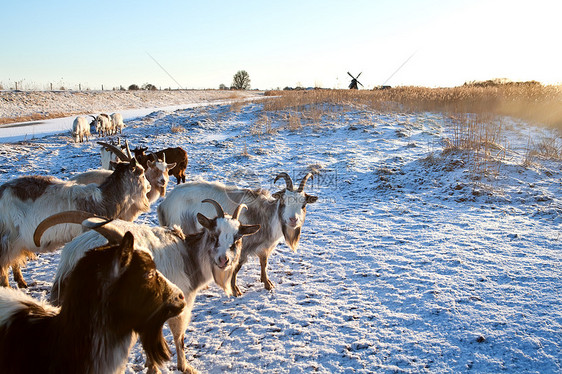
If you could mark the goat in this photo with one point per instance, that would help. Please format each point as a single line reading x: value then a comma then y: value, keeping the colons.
x: 190, y: 262
x: 104, y: 125
x: 177, y: 155
x: 25, y: 201
x: 280, y: 215
x: 80, y: 129
x: 156, y: 173
x: 113, y: 293
x: 117, y: 122
x: 111, y: 152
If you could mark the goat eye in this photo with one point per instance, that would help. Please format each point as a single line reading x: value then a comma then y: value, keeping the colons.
x: 150, y: 274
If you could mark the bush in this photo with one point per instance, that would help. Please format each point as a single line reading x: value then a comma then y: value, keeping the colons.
x: 133, y: 87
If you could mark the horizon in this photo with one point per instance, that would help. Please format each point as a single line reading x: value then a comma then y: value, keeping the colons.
x: 175, y: 45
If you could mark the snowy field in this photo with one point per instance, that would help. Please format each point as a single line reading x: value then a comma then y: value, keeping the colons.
x: 411, y: 261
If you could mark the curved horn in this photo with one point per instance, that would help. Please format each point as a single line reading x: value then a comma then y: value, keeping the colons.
x: 119, y: 153
x: 288, y: 180
x: 154, y: 157
x: 128, y: 149
x: 238, y: 210
x: 164, y: 157
x: 72, y: 216
x: 218, y: 207
x: 103, y: 226
x: 303, y: 181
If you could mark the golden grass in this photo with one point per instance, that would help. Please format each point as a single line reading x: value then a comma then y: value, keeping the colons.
x: 530, y: 101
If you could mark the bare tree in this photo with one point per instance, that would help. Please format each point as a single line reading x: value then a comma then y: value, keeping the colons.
x: 241, y: 80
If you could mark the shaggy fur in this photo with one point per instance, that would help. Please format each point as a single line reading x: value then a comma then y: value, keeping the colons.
x: 26, y: 201
x: 272, y: 212
x: 112, y: 293
x: 191, y: 261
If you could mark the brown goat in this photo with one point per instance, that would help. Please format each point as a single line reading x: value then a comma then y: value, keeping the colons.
x: 170, y: 155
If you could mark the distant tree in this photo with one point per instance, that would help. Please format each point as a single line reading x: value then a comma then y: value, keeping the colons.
x: 133, y: 87
x: 223, y: 87
x: 149, y: 87
x: 241, y: 80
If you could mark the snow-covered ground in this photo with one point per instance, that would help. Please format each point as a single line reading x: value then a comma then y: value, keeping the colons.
x: 413, y: 260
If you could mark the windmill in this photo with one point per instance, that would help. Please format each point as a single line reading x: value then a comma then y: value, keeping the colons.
x: 354, y: 81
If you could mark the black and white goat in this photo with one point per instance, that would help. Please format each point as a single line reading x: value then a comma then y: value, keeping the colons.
x: 113, y: 293
x: 280, y: 215
x: 112, y: 150
x: 103, y: 124
x: 26, y: 201
x: 190, y: 262
x: 156, y: 172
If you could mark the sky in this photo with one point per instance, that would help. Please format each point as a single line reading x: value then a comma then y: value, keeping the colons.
x: 309, y: 43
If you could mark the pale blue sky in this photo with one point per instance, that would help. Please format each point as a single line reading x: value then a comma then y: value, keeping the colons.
x: 279, y: 43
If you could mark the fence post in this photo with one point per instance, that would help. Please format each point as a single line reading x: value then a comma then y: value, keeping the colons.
x: 16, y: 86
x: 102, y: 87
x: 79, y: 86
x: 51, y: 86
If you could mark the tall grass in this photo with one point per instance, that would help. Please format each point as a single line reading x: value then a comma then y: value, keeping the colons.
x: 530, y: 101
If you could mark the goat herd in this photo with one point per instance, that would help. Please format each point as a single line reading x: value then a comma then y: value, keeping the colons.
x: 117, y: 280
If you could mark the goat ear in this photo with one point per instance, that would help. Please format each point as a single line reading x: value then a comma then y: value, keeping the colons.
x: 310, y: 199
x: 125, y: 254
x: 171, y: 166
x: 245, y: 230
x: 204, y: 221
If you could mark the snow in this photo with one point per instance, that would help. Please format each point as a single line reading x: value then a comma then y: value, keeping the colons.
x: 413, y: 259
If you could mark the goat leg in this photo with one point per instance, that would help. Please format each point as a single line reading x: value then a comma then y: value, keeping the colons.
x: 4, y: 282
x: 18, y: 276
x: 263, y: 264
x: 235, y: 290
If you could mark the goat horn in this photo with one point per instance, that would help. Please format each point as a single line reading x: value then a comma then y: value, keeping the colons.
x: 103, y: 226
x: 164, y: 157
x: 128, y: 149
x: 238, y: 210
x: 154, y: 157
x: 72, y: 216
x: 288, y: 180
x: 218, y: 207
x: 119, y: 153
x: 304, y: 180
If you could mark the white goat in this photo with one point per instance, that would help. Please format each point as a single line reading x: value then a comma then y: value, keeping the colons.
x: 26, y: 201
x: 189, y: 262
x: 280, y: 215
x: 104, y: 125
x: 80, y: 129
x: 117, y: 122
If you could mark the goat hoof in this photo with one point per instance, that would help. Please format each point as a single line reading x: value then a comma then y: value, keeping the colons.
x: 21, y: 284
x: 268, y: 285
x: 236, y: 291
x: 188, y: 369
x: 191, y: 370
x: 153, y: 370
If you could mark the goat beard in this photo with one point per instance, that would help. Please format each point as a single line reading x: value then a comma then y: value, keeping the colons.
x: 292, y: 236
x: 152, y: 338
x: 222, y: 277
